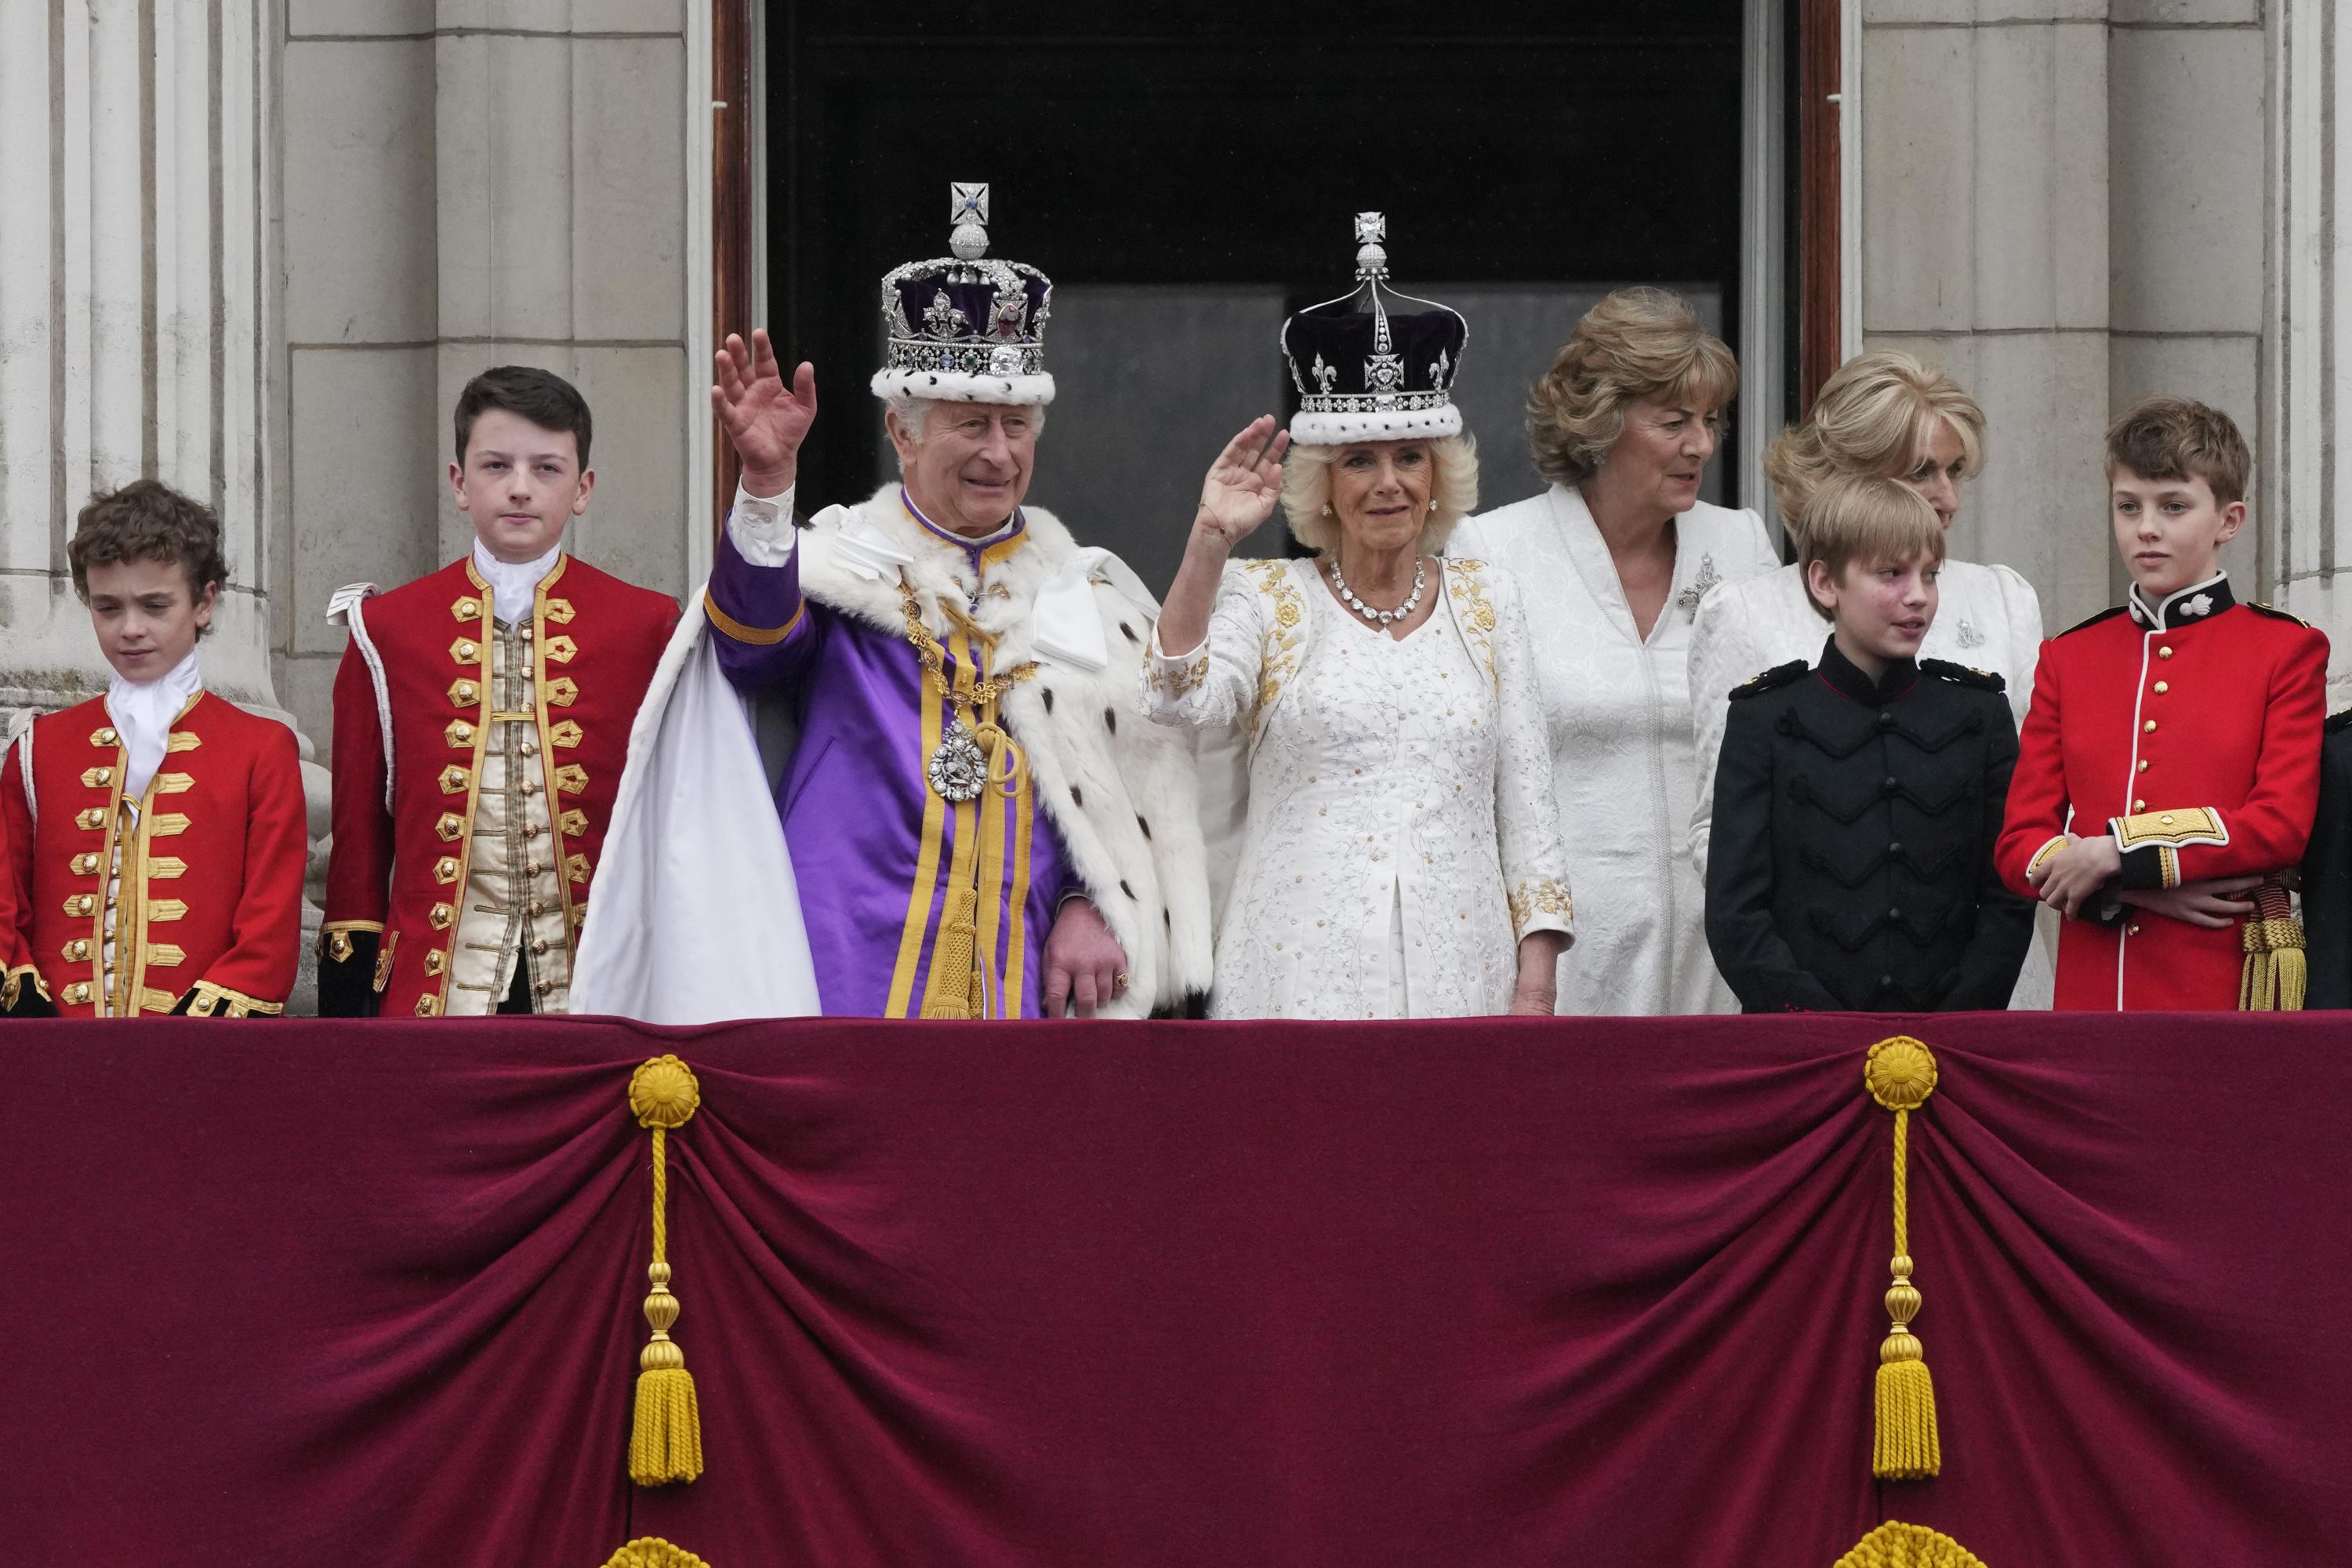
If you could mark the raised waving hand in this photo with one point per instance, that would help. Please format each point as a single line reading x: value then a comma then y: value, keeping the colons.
x: 765, y: 420
x: 1244, y: 483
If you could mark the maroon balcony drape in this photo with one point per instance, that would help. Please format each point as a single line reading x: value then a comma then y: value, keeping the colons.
x: 1590, y: 1292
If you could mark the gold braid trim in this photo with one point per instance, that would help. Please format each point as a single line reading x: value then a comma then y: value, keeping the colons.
x: 2174, y: 829
x: 220, y: 1002
x: 759, y: 637
x: 13, y: 985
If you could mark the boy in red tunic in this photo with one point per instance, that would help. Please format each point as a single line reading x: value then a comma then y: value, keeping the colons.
x: 482, y: 714
x: 152, y: 838
x: 2169, y: 767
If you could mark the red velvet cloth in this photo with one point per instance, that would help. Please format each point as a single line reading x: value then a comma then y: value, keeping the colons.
x: 1592, y: 1292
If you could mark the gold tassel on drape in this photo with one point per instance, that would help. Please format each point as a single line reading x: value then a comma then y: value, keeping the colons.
x: 2275, y: 970
x: 1898, y: 1545
x: 665, y: 1444
x: 652, y: 1552
x: 1900, y: 1073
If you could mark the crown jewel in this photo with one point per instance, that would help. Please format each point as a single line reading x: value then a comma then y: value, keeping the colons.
x: 966, y: 327
x: 1380, y: 364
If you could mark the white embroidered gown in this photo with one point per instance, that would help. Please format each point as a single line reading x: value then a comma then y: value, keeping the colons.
x: 1618, y: 706
x: 1400, y: 837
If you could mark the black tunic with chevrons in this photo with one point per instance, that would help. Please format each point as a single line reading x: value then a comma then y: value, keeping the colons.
x: 2328, y: 873
x: 1851, y: 866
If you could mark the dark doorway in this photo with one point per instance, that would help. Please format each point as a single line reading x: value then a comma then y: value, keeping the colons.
x: 1187, y: 175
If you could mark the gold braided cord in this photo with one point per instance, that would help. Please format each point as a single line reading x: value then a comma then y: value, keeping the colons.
x: 1901, y: 1185
x: 1898, y: 1545
x: 666, y: 1440
x: 1900, y: 1074
x: 652, y: 1552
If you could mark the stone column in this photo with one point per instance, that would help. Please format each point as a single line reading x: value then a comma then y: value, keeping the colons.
x: 2305, y: 493
x: 136, y: 176
x: 1985, y: 185
x: 471, y: 183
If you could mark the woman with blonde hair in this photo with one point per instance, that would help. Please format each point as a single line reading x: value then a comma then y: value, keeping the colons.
x: 1611, y: 563
x: 1883, y: 415
x: 1401, y: 856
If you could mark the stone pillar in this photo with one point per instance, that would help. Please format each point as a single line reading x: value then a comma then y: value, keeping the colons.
x: 2045, y: 214
x: 468, y: 184
x: 1985, y: 191
x: 137, y: 172
x: 2307, y: 385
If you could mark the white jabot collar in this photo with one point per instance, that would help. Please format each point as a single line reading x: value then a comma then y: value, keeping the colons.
x: 513, y: 585
x: 143, y: 712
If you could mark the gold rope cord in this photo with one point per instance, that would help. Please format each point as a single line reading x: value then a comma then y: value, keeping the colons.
x: 1900, y: 1074
x: 666, y: 1440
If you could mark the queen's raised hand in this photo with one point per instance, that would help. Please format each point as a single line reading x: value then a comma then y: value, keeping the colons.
x: 1243, y: 485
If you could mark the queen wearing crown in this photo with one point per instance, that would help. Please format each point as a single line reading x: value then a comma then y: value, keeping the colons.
x: 1402, y: 856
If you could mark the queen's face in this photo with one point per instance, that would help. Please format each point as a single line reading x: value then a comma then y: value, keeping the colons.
x: 1658, y: 463
x: 1380, y: 492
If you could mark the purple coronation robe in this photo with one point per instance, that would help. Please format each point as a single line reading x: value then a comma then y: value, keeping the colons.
x: 874, y: 848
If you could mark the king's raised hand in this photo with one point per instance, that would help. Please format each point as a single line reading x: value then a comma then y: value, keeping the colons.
x: 765, y: 420
x: 1243, y: 485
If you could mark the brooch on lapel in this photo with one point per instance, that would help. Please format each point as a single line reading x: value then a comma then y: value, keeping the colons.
x: 1707, y: 578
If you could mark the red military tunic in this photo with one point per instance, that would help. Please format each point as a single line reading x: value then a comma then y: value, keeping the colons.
x: 2190, y: 730
x: 414, y: 718
x: 205, y: 868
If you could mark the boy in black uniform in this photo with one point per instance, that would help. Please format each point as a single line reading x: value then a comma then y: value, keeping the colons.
x: 2328, y: 873
x: 1857, y: 801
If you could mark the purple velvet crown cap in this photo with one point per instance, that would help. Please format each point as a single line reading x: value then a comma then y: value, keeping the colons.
x: 1374, y: 365
x: 968, y: 327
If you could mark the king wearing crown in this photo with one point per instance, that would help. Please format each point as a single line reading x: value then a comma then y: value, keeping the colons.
x: 977, y: 823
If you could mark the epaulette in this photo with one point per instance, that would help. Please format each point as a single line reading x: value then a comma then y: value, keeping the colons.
x: 2092, y: 620
x: 2276, y: 615
x: 1779, y: 675
x: 1962, y: 674
x: 2339, y: 723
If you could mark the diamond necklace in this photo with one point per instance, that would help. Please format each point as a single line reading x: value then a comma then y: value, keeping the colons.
x: 1378, y: 617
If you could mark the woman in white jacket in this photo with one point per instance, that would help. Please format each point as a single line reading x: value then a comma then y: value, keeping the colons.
x: 1882, y: 413
x: 1611, y: 562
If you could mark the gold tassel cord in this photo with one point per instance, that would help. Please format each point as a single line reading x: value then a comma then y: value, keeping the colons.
x: 2276, y: 972
x: 1900, y: 1074
x: 652, y: 1552
x: 666, y: 1440
x: 1898, y: 1545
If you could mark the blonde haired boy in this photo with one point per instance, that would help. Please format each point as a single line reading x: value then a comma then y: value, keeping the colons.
x: 1857, y: 800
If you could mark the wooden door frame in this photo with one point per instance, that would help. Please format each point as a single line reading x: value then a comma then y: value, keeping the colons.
x: 734, y: 200
x: 1821, y: 107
